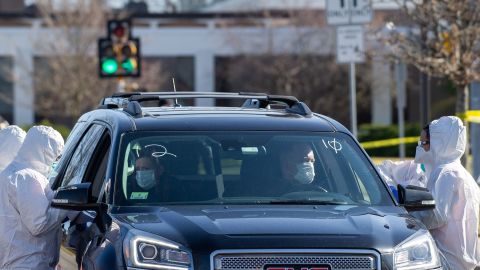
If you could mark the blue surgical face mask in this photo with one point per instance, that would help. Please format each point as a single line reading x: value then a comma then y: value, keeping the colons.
x: 305, y: 173
x: 146, y: 179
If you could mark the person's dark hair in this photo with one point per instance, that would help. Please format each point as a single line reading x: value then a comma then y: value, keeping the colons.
x: 427, y: 130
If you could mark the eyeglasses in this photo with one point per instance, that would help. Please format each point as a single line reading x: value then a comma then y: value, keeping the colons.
x: 308, y: 159
x: 299, y: 159
x: 422, y: 143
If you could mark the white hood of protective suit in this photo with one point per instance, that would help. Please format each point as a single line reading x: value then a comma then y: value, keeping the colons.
x: 11, y: 138
x: 41, y: 147
x: 29, y: 227
x: 454, y: 221
x: 447, y: 139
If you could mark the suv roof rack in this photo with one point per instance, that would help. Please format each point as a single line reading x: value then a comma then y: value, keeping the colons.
x: 252, y: 100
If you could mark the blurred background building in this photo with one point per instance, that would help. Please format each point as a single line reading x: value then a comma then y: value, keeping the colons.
x: 274, y: 46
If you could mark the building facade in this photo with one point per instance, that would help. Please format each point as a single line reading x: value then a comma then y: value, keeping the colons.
x: 200, y: 39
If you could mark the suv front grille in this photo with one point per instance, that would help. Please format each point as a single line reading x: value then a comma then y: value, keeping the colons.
x: 337, y: 261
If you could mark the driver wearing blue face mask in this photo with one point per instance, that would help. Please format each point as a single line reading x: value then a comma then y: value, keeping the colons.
x: 148, y: 179
x: 153, y: 184
x: 146, y: 173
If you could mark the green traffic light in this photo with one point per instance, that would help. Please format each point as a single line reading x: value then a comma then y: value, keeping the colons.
x: 109, y: 66
x: 129, y: 65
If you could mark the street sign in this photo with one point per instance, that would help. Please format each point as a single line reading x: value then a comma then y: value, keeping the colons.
x: 350, y: 15
x: 350, y: 44
x: 339, y: 12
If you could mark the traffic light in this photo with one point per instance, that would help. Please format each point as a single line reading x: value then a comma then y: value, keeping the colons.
x: 130, y: 59
x: 119, y: 53
x: 119, y: 30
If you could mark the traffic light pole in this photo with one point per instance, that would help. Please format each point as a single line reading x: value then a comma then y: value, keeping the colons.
x: 121, y: 85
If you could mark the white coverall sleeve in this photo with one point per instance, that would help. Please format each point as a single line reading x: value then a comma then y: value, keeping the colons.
x: 402, y: 172
x: 445, y: 194
x: 386, y: 167
x: 33, y: 205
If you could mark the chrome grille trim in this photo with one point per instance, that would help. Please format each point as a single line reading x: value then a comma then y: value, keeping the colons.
x: 255, y: 259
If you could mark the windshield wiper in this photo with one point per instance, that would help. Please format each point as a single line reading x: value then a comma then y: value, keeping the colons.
x: 308, y: 202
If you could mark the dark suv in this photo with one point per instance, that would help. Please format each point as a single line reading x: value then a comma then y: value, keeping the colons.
x: 267, y: 185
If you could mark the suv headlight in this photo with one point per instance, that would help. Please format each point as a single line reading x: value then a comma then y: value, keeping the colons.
x: 416, y: 252
x: 145, y: 250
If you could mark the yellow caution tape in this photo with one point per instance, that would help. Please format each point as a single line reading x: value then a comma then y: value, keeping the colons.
x: 473, y: 116
x: 389, y: 142
x: 469, y: 116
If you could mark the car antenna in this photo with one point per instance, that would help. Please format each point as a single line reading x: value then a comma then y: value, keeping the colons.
x: 175, y: 90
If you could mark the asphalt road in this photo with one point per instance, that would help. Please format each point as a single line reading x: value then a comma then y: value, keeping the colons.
x: 67, y: 260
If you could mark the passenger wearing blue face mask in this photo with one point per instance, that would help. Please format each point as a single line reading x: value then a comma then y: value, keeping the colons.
x: 297, y: 170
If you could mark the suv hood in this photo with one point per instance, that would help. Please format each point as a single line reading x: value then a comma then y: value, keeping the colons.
x: 299, y: 226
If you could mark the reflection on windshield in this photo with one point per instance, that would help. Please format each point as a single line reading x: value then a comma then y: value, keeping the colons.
x: 246, y: 168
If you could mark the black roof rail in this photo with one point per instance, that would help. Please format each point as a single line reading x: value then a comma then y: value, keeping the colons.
x: 113, y: 103
x: 253, y: 100
x: 134, y: 109
x: 125, y: 95
x: 187, y: 95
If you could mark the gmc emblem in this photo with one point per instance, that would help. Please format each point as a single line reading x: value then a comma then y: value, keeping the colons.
x: 297, y: 267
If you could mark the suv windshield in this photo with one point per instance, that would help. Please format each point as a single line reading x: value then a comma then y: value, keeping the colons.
x: 255, y: 167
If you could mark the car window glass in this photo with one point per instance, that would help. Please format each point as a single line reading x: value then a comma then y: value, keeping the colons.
x: 366, y: 191
x: 70, y: 144
x: 246, y: 167
x: 96, y: 172
x: 81, y: 157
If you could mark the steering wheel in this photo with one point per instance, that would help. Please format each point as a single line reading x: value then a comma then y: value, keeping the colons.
x: 319, y: 192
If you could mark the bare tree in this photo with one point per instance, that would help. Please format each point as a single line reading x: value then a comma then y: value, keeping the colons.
x: 67, y: 83
x: 303, y: 66
x: 442, y: 40
x: 317, y: 80
x: 154, y: 75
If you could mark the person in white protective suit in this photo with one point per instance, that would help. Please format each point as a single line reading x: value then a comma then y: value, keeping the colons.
x: 29, y: 227
x: 454, y: 221
x: 11, y: 138
x: 407, y: 172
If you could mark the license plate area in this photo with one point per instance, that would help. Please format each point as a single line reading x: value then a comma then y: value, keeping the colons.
x: 297, y: 267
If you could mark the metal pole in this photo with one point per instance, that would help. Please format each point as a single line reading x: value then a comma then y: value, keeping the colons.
x: 401, y: 132
x: 475, y: 130
x: 424, y: 99
x: 400, y: 77
x: 353, y: 101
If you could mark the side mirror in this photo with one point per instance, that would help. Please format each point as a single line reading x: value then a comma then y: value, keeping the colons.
x: 75, y: 197
x: 415, y: 198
